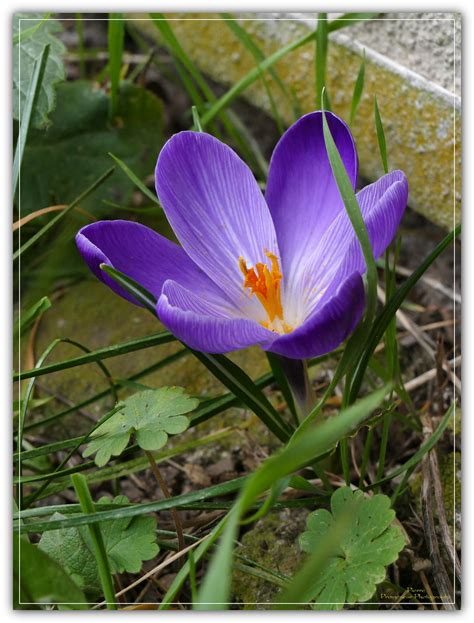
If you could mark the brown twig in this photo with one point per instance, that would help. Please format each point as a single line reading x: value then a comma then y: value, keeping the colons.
x: 167, y: 494
x: 441, y: 578
x: 427, y: 587
x: 152, y: 572
x: 439, y: 499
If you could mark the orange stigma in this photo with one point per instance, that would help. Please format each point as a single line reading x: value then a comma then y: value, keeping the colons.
x: 265, y: 284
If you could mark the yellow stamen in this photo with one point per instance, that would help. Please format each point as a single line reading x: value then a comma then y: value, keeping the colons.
x: 265, y: 283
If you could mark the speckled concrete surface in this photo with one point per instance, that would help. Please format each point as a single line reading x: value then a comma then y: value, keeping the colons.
x: 421, y: 117
x: 428, y: 43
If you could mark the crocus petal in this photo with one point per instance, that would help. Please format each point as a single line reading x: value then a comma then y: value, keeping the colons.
x: 202, y: 326
x: 382, y: 205
x: 328, y: 326
x: 301, y: 193
x: 338, y: 253
x: 144, y: 256
x: 215, y: 208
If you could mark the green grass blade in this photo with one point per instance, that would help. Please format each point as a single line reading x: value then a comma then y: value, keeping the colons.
x: 172, y: 42
x: 174, y: 45
x: 138, y: 183
x: 183, y: 573
x: 244, y: 388
x: 420, y: 453
x: 252, y: 76
x: 134, y: 510
x: 45, y: 229
x: 49, y: 448
x: 358, y: 89
x: 192, y: 575
x: 140, y: 293
x: 73, y: 509
x: 29, y: 390
x: 34, y: 496
x: 282, y: 382
x: 30, y: 101
x: 389, y: 310
x: 387, y: 421
x: 321, y: 57
x: 299, y: 589
x: 348, y: 19
x: 222, y: 368
x: 318, y: 440
x: 105, y: 574
x: 115, y: 350
x: 215, y: 587
x: 115, y: 43
x: 28, y: 317
x: 196, y: 119
x: 249, y: 44
x: 353, y: 211
x: 380, y: 135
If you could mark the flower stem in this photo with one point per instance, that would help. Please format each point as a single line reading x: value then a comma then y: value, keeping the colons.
x: 167, y: 494
x: 296, y: 372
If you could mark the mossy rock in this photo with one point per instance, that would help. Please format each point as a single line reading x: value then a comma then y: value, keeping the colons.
x: 450, y: 469
x: 272, y: 543
x: 94, y: 316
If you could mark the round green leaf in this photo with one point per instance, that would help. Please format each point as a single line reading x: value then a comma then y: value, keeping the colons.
x: 128, y: 542
x: 369, y: 544
x: 150, y: 416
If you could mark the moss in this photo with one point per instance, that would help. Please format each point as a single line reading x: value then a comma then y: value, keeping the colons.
x: 273, y: 543
x: 455, y: 422
x: 450, y: 468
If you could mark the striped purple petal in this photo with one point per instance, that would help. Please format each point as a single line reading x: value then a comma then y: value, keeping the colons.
x: 144, y: 256
x: 204, y: 327
x: 301, y: 192
x: 328, y: 326
x: 216, y: 210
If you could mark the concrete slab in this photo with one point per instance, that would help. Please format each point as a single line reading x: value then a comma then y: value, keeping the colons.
x: 417, y: 96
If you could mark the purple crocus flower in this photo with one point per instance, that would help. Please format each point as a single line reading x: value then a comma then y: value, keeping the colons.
x: 284, y: 271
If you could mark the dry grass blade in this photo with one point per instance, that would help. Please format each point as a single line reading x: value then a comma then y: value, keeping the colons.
x: 441, y: 578
x: 431, y: 374
x: 58, y: 208
x: 433, y: 283
x: 445, y: 532
x: 162, y: 565
x: 425, y: 342
x: 163, y: 486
